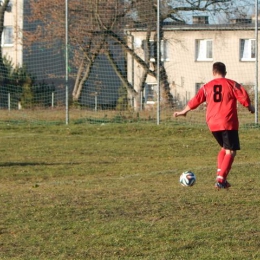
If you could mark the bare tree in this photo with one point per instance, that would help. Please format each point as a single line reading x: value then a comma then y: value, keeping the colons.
x: 143, y: 14
x: 88, y: 21
x: 96, y: 25
x: 176, y: 11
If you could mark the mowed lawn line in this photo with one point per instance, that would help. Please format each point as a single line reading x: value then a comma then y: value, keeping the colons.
x: 98, y: 214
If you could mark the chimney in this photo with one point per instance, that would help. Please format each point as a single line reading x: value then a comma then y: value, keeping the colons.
x: 253, y: 18
x: 200, y: 20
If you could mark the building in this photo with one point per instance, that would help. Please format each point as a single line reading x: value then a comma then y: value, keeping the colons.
x: 11, y: 40
x: 188, y: 52
x: 47, y: 64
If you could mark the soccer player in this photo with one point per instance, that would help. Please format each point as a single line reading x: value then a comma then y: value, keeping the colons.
x: 221, y: 95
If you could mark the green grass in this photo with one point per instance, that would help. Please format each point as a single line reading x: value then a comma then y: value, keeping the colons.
x: 112, y: 191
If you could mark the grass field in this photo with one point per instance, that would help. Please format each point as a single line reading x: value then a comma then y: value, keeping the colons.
x: 111, y: 191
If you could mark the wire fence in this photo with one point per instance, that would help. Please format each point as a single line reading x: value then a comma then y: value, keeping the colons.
x: 115, y: 61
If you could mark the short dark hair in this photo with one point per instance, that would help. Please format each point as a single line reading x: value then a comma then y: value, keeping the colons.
x: 220, y: 68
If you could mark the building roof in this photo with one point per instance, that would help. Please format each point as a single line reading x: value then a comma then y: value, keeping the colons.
x: 199, y: 27
x: 210, y: 27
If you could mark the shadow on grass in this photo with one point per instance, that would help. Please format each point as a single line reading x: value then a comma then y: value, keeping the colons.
x: 10, y: 164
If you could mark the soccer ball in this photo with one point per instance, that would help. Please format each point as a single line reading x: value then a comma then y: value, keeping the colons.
x: 187, y: 178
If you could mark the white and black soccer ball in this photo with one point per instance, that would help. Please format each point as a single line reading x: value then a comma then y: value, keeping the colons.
x: 187, y: 178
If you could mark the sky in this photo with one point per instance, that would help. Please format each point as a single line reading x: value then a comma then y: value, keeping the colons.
x: 238, y: 9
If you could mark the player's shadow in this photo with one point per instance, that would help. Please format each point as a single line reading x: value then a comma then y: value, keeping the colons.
x: 10, y: 164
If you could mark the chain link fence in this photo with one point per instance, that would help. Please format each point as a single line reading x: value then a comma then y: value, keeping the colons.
x: 117, y: 61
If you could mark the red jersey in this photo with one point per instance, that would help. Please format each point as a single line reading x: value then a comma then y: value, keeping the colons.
x: 221, y: 96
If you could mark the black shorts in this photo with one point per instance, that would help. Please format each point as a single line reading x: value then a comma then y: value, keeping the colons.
x: 228, y: 139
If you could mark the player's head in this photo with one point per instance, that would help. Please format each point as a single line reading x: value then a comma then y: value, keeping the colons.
x: 219, y: 68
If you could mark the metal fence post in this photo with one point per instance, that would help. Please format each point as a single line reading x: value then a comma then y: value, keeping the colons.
x: 256, y: 62
x: 158, y: 61
x: 66, y: 63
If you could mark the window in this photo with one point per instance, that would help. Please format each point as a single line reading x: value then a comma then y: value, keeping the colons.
x: 165, y: 50
x: 153, y: 51
x: 7, y: 37
x: 247, y: 49
x: 150, y: 93
x: 204, y: 50
x: 9, y: 6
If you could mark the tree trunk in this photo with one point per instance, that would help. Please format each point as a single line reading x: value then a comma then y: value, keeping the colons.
x: 81, y: 79
x: 166, y: 95
x: 119, y: 73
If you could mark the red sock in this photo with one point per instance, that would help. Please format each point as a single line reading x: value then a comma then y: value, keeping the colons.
x: 225, y: 167
x: 220, y: 159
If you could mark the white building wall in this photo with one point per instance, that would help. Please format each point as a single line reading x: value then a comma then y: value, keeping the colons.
x: 184, y: 71
x: 182, y: 68
x: 14, y: 19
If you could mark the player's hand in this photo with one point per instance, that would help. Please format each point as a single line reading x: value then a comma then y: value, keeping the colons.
x: 183, y: 112
x: 251, y: 109
x: 176, y: 114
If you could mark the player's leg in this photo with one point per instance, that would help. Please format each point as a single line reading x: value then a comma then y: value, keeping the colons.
x: 231, y: 145
x: 222, y: 152
x: 220, y: 158
x: 229, y: 141
x: 226, y: 165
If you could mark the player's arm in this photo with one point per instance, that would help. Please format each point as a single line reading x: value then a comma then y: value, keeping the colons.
x: 183, y: 112
x: 193, y: 103
x: 243, y: 97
